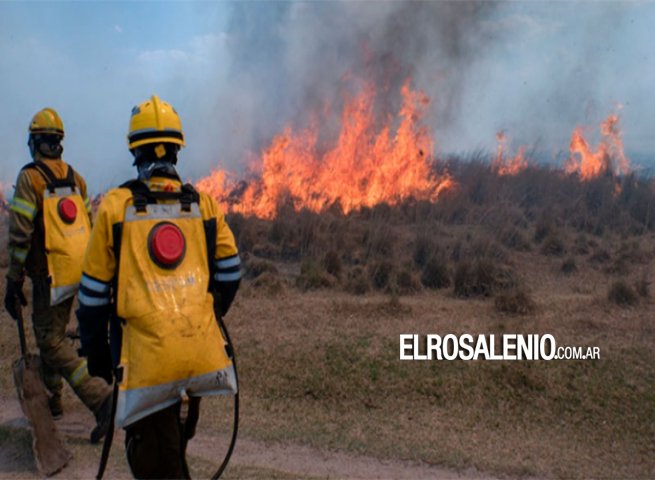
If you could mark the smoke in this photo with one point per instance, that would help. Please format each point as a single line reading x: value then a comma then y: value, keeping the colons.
x: 238, y: 73
x: 575, y: 89
x: 292, y: 61
x: 535, y: 71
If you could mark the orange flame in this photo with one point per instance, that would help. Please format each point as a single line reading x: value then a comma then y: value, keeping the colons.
x: 365, y: 167
x: 609, y: 157
x: 508, y: 166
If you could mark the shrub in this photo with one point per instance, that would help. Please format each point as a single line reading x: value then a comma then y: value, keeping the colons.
x: 332, y: 263
x: 553, y: 245
x: 622, y: 294
x: 515, y: 302
x: 514, y: 238
x: 406, y: 283
x: 569, y: 266
x: 581, y: 245
x: 265, y: 250
x: 380, y: 273
x: 312, y: 276
x: 642, y: 286
x: 236, y: 221
x: 424, y: 248
x: 481, y: 277
x: 436, y: 273
x: 270, y: 283
x: 379, y: 241
x: 631, y: 252
x: 600, y: 256
x: 255, y: 267
x: 357, y: 282
x: 543, y: 228
x: 618, y: 267
x: 247, y: 237
x: 308, y: 236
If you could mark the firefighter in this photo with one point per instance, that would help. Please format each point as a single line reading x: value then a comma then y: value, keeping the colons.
x: 49, y: 226
x: 160, y: 269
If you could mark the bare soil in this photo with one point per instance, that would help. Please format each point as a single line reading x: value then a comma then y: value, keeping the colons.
x: 252, y: 459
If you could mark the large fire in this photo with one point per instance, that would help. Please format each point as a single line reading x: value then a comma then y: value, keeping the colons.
x: 508, y: 165
x: 365, y: 166
x: 609, y: 157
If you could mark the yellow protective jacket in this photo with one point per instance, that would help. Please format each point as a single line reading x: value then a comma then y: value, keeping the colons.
x: 27, y: 243
x: 164, y: 297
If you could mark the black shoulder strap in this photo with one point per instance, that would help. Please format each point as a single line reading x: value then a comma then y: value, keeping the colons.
x: 51, y: 179
x: 139, y: 194
x: 189, y: 196
x: 70, y: 176
x: 143, y: 196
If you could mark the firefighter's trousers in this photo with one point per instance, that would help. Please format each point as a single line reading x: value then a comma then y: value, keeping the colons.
x: 58, y: 355
x: 155, y: 445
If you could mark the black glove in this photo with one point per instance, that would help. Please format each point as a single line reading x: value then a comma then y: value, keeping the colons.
x: 14, y: 295
x: 99, y: 362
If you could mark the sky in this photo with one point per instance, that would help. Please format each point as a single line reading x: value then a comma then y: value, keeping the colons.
x: 237, y: 73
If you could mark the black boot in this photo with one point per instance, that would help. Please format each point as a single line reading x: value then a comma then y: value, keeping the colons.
x: 56, y: 407
x: 103, y: 420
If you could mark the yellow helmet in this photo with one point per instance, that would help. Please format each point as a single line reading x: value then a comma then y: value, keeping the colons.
x: 154, y: 121
x: 47, y: 122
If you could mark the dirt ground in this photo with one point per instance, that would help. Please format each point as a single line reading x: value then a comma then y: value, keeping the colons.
x: 252, y: 459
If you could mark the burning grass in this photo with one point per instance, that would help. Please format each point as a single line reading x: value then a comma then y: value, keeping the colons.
x: 368, y: 163
x: 482, y: 240
x: 538, y: 251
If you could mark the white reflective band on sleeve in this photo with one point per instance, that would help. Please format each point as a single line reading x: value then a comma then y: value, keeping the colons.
x: 25, y: 208
x: 92, y: 301
x: 230, y: 262
x: 94, y: 285
x: 227, y: 277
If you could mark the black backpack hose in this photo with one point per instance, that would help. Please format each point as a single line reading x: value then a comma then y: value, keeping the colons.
x: 106, y: 447
x: 235, y: 427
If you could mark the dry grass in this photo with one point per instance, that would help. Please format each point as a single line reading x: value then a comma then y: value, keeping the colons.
x: 336, y: 380
x: 316, y: 327
x: 325, y: 372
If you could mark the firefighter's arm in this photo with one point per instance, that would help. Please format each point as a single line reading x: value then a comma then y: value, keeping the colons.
x: 22, y: 211
x: 226, y: 275
x: 95, y: 295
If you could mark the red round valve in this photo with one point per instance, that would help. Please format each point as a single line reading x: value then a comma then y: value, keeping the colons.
x: 166, y: 245
x: 67, y: 210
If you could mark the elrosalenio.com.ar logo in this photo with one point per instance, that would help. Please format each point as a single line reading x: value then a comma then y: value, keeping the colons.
x: 487, y: 347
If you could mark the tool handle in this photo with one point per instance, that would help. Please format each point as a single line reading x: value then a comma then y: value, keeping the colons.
x: 21, y: 328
